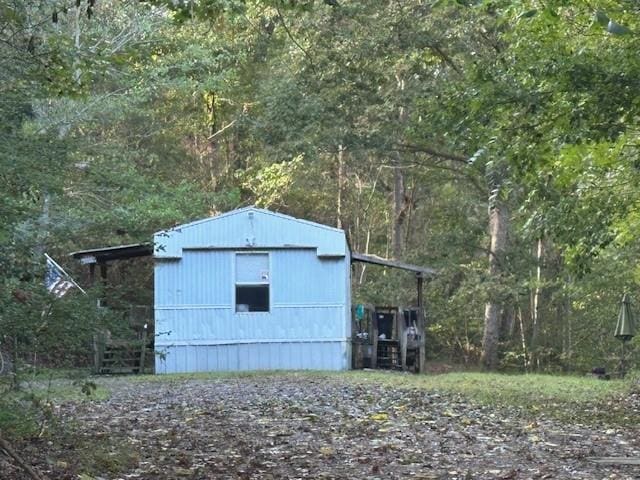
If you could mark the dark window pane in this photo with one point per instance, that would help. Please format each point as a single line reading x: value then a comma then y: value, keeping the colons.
x: 252, y: 298
x: 385, y: 325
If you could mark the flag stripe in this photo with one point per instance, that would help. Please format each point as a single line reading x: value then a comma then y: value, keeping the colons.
x: 55, y: 280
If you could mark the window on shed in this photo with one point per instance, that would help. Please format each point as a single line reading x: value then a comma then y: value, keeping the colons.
x: 252, y: 282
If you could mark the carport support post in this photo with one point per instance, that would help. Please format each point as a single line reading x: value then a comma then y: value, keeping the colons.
x: 92, y: 274
x: 421, y: 325
x: 374, y: 339
x: 103, y: 274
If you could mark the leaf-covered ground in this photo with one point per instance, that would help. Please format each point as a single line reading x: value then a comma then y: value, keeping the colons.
x: 314, y: 426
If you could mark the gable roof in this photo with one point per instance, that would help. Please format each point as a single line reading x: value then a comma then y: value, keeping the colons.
x: 250, y: 227
x: 252, y: 208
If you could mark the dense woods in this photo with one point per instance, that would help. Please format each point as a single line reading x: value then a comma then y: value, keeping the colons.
x: 496, y: 141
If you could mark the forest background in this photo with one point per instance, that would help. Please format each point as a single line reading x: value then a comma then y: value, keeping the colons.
x: 496, y: 141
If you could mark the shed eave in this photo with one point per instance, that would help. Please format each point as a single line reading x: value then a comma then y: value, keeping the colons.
x: 119, y: 252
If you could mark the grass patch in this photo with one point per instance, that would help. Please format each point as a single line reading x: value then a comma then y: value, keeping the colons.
x: 517, y: 390
x: 179, y: 377
x: 28, y: 412
x: 568, y: 398
x: 69, y: 392
x: 520, y: 390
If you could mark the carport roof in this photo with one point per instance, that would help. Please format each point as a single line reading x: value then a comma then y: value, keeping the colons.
x: 106, y: 254
x: 375, y: 260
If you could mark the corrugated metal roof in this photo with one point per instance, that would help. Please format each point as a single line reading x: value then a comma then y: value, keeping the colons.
x: 119, y: 252
x: 385, y: 262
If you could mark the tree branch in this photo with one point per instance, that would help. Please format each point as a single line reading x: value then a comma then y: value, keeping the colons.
x: 4, y: 445
x: 213, y: 135
x: 293, y: 39
x: 434, y: 152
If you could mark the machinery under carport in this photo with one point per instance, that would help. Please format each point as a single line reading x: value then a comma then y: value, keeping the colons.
x: 386, y: 336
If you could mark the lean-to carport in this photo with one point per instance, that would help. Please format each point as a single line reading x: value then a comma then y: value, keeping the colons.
x: 421, y: 274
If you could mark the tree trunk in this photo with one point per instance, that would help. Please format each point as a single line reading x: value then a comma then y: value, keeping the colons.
x: 498, y: 226
x: 523, y: 341
x: 508, y: 322
x: 399, y: 196
x: 567, y: 337
x: 398, y: 210
x: 341, y: 182
x: 536, y: 317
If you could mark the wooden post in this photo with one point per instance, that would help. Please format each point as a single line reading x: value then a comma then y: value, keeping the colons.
x: 374, y: 339
x: 103, y: 273
x: 144, y: 348
x: 92, y: 274
x: 403, y: 348
x: 354, y: 360
x: 98, y: 351
x: 421, y: 326
x: 102, y: 301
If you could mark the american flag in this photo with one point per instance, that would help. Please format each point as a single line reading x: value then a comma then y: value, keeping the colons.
x: 56, y: 280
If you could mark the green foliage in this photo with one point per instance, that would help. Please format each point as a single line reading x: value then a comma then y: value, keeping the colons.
x: 270, y: 184
x: 155, y: 113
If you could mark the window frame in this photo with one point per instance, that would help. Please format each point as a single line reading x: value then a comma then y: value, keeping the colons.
x: 236, y: 284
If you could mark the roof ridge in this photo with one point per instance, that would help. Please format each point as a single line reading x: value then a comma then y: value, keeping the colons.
x: 255, y: 209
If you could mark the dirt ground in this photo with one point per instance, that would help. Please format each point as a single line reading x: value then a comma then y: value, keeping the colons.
x: 313, y: 426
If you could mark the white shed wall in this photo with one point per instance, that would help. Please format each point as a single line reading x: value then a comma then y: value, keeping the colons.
x: 198, y: 329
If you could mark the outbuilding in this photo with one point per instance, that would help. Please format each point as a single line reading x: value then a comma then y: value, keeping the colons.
x: 252, y: 290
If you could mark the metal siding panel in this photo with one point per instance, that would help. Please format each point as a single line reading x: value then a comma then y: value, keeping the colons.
x: 160, y: 365
x: 214, y: 359
x: 317, y: 357
x: 178, y: 359
x: 164, y: 272
x: 206, y: 278
x: 244, y: 357
x: 347, y: 305
x: 187, y: 359
x: 200, y: 278
x: 252, y: 267
x: 200, y: 355
x: 288, y: 358
x: 172, y: 365
x: 295, y: 356
x: 300, y: 277
x: 300, y: 355
x: 233, y: 357
x: 222, y: 324
x: 172, y: 361
x: 262, y: 357
x: 192, y: 359
x: 268, y: 356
